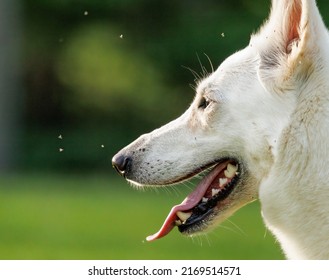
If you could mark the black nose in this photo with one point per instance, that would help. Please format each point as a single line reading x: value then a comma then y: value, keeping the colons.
x: 121, y: 164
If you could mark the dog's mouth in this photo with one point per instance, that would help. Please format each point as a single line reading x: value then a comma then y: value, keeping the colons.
x: 198, y: 207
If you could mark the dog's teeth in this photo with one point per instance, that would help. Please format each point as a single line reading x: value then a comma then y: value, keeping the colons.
x: 214, y: 192
x: 204, y: 199
x: 230, y: 170
x: 178, y: 222
x: 222, y: 181
x: 183, y: 216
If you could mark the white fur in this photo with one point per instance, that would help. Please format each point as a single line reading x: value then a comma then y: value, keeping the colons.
x: 269, y: 107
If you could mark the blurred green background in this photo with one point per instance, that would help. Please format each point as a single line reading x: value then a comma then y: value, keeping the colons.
x: 79, y: 80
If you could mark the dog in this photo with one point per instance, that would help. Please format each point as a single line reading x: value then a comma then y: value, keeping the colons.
x: 258, y: 128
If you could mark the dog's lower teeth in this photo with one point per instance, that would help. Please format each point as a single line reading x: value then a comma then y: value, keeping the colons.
x: 222, y: 181
x: 178, y: 222
x: 183, y: 216
x: 204, y: 199
x: 214, y: 192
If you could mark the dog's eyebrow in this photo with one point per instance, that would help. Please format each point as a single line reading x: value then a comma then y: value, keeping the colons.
x: 209, y: 89
x: 200, y: 92
x: 204, y: 85
x: 204, y: 89
x: 200, y: 87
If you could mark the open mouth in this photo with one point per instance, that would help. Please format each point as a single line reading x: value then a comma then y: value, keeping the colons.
x: 198, y: 207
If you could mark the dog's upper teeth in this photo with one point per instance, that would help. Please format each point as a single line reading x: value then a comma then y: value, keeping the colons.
x: 230, y: 170
x: 183, y: 216
x: 214, y: 192
x: 222, y: 181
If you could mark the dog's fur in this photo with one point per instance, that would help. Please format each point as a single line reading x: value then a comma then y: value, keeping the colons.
x: 267, y: 106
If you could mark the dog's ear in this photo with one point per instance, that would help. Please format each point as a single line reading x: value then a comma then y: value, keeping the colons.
x: 287, y: 43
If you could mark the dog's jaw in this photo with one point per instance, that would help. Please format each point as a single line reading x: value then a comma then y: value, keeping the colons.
x: 206, y: 195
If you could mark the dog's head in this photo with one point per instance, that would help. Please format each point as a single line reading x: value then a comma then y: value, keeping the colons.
x: 230, y: 133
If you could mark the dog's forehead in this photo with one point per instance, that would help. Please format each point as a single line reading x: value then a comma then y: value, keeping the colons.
x: 229, y: 72
x: 242, y: 61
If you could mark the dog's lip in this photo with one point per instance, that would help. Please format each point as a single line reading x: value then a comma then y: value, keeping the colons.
x: 189, y: 202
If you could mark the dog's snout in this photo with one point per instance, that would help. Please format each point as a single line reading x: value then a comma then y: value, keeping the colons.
x: 121, y: 163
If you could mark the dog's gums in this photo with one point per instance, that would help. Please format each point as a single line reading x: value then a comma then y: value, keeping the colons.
x: 199, y: 205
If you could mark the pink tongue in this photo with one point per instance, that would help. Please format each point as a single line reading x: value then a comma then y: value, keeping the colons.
x: 189, y: 202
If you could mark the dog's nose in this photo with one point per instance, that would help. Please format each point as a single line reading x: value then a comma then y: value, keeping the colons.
x: 121, y: 163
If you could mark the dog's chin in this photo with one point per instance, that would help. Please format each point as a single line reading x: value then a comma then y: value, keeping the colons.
x: 211, y: 202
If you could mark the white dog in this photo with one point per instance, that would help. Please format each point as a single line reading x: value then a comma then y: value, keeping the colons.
x: 258, y: 127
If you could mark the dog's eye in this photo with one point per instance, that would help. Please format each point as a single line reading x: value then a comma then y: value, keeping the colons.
x: 203, y: 103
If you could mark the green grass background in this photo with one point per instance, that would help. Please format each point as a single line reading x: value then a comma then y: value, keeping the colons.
x: 100, y: 217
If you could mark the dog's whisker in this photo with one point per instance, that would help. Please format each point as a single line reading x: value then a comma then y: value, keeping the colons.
x: 237, y: 227
x: 265, y: 233
x: 195, y: 74
x: 193, y: 87
x: 204, y: 72
x: 156, y: 190
x: 238, y: 232
x: 189, y: 185
x: 188, y: 182
x: 192, y: 238
x: 171, y: 191
x: 210, y: 62
x: 196, y: 239
x: 200, y: 238
x: 176, y: 190
x: 207, y: 238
